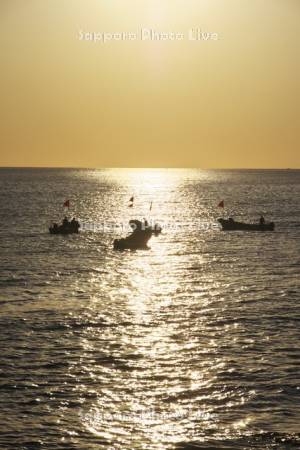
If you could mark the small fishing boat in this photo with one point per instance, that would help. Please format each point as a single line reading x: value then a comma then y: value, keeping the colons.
x: 138, y: 239
x: 66, y: 228
x: 232, y: 225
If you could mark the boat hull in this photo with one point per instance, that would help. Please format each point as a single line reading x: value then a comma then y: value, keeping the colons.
x: 62, y: 230
x: 228, y: 225
x: 137, y: 240
x: 123, y: 244
x: 133, y: 242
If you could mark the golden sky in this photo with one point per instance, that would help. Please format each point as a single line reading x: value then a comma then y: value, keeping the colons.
x: 229, y: 102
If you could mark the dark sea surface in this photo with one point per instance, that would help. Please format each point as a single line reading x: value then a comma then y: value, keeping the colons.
x: 191, y: 344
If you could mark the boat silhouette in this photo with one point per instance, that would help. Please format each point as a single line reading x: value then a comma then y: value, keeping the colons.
x: 232, y: 225
x: 138, y: 239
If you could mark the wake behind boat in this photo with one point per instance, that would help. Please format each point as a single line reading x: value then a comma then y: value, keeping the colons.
x: 232, y: 225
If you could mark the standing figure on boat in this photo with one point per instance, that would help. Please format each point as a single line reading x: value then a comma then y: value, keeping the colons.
x: 65, y: 222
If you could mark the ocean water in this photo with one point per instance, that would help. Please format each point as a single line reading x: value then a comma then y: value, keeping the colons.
x: 191, y: 344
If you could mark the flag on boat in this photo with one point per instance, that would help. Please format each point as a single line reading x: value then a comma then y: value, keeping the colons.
x: 67, y: 204
x: 221, y: 204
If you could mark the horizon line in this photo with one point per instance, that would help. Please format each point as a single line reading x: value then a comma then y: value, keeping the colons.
x: 150, y: 168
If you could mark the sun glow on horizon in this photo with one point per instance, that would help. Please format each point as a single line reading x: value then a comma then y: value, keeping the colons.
x: 228, y: 103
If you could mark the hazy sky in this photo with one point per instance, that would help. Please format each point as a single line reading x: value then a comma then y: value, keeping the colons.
x: 230, y: 102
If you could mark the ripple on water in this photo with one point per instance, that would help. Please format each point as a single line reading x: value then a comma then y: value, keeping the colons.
x: 194, y: 344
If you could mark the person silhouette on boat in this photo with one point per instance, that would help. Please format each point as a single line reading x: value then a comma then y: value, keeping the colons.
x: 65, y: 222
x: 74, y: 223
x: 262, y: 221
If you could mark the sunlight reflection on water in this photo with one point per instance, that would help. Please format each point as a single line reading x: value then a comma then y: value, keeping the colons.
x: 193, y: 339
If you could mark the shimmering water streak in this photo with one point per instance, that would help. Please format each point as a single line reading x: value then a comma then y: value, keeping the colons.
x: 196, y: 339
